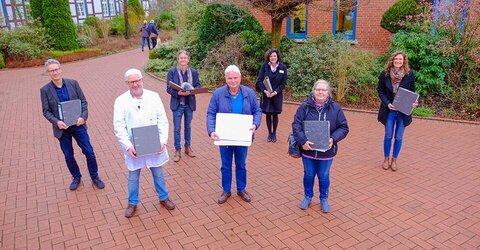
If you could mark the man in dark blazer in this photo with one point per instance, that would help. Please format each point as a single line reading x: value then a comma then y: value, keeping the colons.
x: 61, y: 90
x: 182, y: 103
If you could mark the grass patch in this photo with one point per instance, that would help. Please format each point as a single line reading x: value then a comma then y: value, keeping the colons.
x: 58, y: 53
x: 424, y: 112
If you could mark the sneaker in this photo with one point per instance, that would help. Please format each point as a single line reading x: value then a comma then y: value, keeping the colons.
x: 75, y: 183
x: 168, y: 204
x: 305, y: 203
x: 245, y: 196
x: 98, y: 183
x: 224, y: 197
x: 325, y: 206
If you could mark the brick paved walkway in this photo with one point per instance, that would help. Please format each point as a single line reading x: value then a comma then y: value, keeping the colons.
x: 433, y: 201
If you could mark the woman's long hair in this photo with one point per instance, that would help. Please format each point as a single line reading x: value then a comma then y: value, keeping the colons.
x: 405, y: 65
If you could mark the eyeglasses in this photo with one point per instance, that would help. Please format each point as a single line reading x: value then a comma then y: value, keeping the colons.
x: 53, y: 70
x: 134, y: 81
x: 321, y: 90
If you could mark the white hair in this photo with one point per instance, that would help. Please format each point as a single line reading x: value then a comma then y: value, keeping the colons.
x: 132, y: 72
x: 232, y: 68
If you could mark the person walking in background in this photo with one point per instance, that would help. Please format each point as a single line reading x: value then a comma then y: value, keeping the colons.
x: 152, y: 31
x: 139, y: 107
x: 233, y: 98
x: 319, y: 106
x: 60, y: 90
x: 145, y: 34
x: 182, y: 103
x: 271, y: 102
x: 397, y: 74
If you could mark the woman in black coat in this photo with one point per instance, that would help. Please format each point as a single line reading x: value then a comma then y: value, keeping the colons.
x: 397, y: 74
x: 271, y: 102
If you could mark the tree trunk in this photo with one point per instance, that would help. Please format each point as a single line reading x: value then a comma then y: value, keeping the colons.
x: 276, y: 32
x: 125, y: 15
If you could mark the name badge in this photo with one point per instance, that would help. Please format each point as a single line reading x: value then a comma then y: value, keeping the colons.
x: 281, y: 71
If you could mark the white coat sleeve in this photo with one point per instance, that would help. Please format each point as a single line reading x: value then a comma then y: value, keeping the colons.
x: 162, y: 121
x: 120, y: 124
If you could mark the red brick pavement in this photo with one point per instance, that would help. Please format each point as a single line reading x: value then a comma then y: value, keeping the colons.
x: 433, y: 201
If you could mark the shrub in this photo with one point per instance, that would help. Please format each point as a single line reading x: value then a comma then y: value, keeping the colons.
x: 31, y: 37
x: 159, y: 67
x: 2, y: 61
x: 400, y: 11
x: 164, y: 52
x: 166, y: 20
x: 59, y: 24
x: 255, y: 46
x: 424, y: 112
x: 84, y: 41
x: 88, y: 31
x: 94, y: 22
x: 117, y: 26
x: 220, y: 21
x: 37, y: 9
x: 136, y: 7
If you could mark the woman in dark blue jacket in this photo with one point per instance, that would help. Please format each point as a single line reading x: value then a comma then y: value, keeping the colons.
x: 271, y: 102
x: 397, y: 74
x: 319, y: 106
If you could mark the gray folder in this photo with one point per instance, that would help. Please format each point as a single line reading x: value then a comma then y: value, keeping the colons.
x: 146, y: 140
x: 404, y: 100
x: 318, y: 132
x: 70, y: 111
x: 267, y: 84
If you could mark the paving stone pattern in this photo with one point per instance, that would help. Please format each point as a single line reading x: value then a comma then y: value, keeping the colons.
x: 432, y: 202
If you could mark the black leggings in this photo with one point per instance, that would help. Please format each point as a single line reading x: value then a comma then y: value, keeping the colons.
x: 272, y: 123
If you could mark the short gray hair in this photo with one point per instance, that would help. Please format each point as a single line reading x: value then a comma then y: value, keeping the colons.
x: 182, y: 51
x: 232, y: 68
x: 321, y: 81
x: 51, y: 61
x: 132, y: 72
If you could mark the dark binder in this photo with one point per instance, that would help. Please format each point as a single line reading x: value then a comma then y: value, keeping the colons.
x: 70, y: 111
x: 188, y: 87
x: 146, y: 140
x: 318, y: 132
x: 404, y: 100
x: 267, y: 84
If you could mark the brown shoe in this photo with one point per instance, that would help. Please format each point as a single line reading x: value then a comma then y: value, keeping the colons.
x: 245, y: 196
x: 393, y: 164
x: 386, y: 164
x: 224, y: 197
x: 189, y: 152
x: 130, y: 211
x: 168, y: 204
x: 177, y: 156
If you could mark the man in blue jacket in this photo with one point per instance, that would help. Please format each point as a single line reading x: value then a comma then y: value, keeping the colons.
x: 233, y: 98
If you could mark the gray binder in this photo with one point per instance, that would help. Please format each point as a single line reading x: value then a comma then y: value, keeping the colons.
x: 404, y: 100
x: 267, y: 84
x: 318, y: 132
x: 70, y: 111
x: 146, y: 140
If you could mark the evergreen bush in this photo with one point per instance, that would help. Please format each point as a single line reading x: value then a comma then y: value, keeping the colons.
x: 94, y: 22
x: 58, y: 21
x: 398, y: 12
x: 166, y: 20
x: 136, y: 7
x: 117, y: 26
x: 2, y: 61
x: 36, y: 8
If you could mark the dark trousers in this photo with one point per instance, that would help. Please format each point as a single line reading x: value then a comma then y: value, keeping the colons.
x: 83, y: 141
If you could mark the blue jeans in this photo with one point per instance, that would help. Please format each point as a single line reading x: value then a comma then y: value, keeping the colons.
x: 226, y: 154
x: 134, y: 183
x: 394, y: 119
x: 143, y: 42
x: 177, y: 125
x: 83, y: 141
x: 320, y: 168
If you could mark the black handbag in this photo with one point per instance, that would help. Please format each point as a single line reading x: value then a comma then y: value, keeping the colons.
x: 293, y: 147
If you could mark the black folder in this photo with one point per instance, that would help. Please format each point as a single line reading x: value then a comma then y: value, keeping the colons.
x: 318, y: 132
x: 404, y: 100
x: 70, y: 111
x: 146, y: 140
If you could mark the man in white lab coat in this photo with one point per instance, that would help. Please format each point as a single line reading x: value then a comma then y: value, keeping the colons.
x: 140, y: 107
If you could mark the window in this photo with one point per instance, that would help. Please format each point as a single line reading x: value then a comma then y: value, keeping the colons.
x: 344, y: 18
x: 297, y: 23
x: 111, y: 4
x: 105, y: 8
x: 446, y: 11
x: 81, y: 9
x: 3, y: 21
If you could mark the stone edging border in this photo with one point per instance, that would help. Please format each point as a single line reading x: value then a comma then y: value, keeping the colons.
x: 361, y: 110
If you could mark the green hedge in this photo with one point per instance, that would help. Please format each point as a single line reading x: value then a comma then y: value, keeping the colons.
x: 59, y: 24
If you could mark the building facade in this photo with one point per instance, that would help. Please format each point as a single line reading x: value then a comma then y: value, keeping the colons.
x: 15, y: 12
